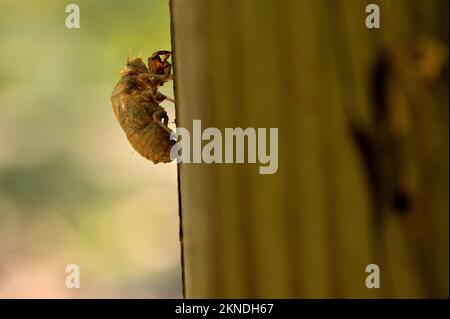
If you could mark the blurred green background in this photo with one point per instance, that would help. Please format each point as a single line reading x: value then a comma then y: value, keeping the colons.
x: 72, y: 190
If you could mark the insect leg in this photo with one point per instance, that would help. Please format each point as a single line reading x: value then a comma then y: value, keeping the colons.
x: 162, y: 119
x: 170, y: 99
x: 159, y: 97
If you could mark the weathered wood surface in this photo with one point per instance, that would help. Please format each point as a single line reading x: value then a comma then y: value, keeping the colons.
x: 307, y: 67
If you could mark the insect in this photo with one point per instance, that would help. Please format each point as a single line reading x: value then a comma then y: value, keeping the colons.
x: 135, y: 101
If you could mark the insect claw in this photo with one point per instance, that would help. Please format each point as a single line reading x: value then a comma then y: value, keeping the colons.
x: 170, y: 99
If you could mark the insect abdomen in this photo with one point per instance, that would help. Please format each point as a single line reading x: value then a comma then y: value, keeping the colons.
x: 149, y: 143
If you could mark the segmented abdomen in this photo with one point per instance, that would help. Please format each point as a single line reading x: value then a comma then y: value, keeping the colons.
x: 152, y: 142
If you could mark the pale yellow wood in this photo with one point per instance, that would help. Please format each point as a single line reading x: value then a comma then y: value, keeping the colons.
x: 306, y: 67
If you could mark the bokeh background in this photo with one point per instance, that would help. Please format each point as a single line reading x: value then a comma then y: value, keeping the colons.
x: 72, y: 190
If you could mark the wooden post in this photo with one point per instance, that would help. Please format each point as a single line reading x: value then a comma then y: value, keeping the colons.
x: 362, y: 116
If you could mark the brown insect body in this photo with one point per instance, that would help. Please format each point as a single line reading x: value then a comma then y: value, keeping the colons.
x: 135, y: 102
